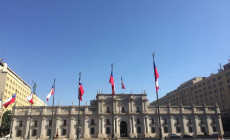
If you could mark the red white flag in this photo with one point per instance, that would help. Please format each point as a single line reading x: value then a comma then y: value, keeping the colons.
x: 51, y: 93
x: 9, y: 101
x: 111, y: 81
x: 156, y: 76
x: 80, y: 90
x: 30, y: 98
x: 122, y: 84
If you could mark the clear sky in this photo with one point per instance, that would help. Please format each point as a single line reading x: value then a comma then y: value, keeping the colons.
x: 47, y: 39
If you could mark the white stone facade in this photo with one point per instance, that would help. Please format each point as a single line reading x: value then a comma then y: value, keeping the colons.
x: 133, y: 117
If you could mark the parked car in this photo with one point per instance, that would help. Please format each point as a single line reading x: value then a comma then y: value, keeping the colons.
x: 187, y: 136
x: 174, y: 136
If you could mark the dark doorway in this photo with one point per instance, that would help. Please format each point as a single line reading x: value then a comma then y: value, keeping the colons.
x: 123, y: 129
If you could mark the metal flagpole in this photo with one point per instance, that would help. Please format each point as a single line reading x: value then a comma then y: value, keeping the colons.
x: 31, y: 107
x: 78, y: 120
x: 112, y: 110
x: 158, y: 108
x: 51, y: 134
x: 28, y: 136
x: 12, y: 116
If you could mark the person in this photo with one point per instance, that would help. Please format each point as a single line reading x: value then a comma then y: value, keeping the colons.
x: 222, y: 138
x: 218, y: 138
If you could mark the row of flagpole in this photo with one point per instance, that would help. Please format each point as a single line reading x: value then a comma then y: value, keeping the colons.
x: 80, y: 94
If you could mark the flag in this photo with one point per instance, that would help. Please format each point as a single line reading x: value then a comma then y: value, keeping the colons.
x: 80, y: 90
x: 9, y: 101
x: 156, y: 76
x: 30, y: 98
x: 111, y: 81
x: 122, y: 84
x: 51, y: 93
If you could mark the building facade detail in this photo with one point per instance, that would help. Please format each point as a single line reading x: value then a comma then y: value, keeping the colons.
x: 133, y: 117
x: 11, y: 83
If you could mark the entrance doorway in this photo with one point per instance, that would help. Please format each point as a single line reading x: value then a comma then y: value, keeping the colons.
x: 123, y: 129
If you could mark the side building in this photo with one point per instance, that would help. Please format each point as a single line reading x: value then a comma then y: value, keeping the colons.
x: 11, y: 83
x: 204, y: 90
x: 133, y: 118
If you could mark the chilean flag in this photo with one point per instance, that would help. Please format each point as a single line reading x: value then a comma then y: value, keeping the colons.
x: 51, y: 93
x: 156, y: 76
x: 122, y: 84
x: 30, y: 98
x: 111, y: 81
x: 80, y: 90
x: 9, y: 101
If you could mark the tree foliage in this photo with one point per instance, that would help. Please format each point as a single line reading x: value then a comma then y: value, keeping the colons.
x: 5, y: 127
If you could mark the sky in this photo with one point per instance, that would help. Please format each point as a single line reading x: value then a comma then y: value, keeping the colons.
x: 55, y: 39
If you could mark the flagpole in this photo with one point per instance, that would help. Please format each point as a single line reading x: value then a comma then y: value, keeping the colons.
x: 28, y: 136
x: 112, y: 108
x: 51, y: 134
x: 78, y: 110
x: 158, y: 108
x: 31, y: 107
x: 12, y: 116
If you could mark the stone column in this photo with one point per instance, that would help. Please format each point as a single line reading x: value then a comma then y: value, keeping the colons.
x: 57, y: 128
x: 172, y: 125
x: 219, y: 126
x: 13, y: 127
x: 196, y: 126
x: 72, y: 132
x: 184, y: 126
x: 100, y: 127
x: 43, y: 129
x: 208, y: 127
x: 86, y: 127
x: 27, y: 127
x: 131, y: 129
x: 147, y: 125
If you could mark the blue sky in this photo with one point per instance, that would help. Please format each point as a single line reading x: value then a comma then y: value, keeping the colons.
x: 58, y: 39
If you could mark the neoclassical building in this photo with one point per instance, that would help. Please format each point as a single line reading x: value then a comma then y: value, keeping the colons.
x: 133, y: 117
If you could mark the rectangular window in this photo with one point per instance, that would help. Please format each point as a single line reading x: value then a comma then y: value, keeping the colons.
x: 92, y: 122
x: 35, y: 123
x: 190, y: 129
x: 34, y: 132
x: 19, y: 133
x: 138, y: 121
x: 50, y: 122
x: 165, y: 129
x: 64, y: 123
x: 107, y: 110
x: 63, y: 132
x: 153, y: 130
x: 107, y: 130
x: 78, y: 130
x: 202, y: 129
x: 138, y: 129
x: 92, y: 131
x: 123, y: 110
x: 178, y: 129
x: 214, y: 129
x: 48, y: 132
x: 107, y: 122
x: 20, y: 124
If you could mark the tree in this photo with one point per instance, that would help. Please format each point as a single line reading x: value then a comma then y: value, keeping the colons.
x: 5, y: 127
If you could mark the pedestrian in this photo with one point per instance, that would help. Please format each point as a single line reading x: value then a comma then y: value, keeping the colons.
x: 222, y: 138
x: 218, y: 138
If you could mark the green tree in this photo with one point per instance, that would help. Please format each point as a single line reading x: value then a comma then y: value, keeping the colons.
x: 5, y: 127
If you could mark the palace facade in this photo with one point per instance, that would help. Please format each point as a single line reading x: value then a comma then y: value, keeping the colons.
x: 133, y: 117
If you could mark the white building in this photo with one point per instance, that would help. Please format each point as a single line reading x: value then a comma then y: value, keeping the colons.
x: 133, y: 117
